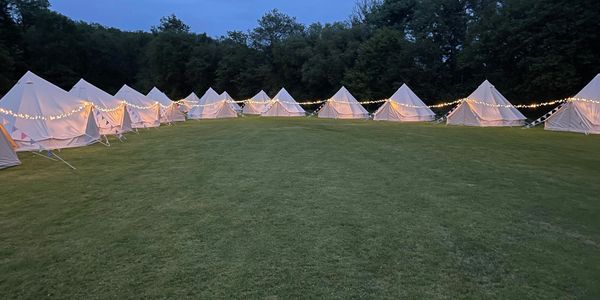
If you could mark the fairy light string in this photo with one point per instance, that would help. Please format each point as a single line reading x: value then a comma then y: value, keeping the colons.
x: 125, y: 103
x: 42, y: 117
x: 84, y: 105
x: 108, y: 110
x: 210, y: 104
x: 185, y: 102
x: 151, y: 106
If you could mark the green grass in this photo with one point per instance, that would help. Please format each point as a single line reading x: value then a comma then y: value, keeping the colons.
x: 307, y: 208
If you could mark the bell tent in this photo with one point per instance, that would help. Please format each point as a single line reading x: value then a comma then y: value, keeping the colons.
x: 258, y: 104
x: 284, y: 105
x: 8, y: 157
x: 212, y: 106
x: 343, y: 106
x: 110, y: 113
x: 41, y: 116
x: 486, y: 107
x: 188, y: 102
x: 169, y: 110
x: 404, y: 106
x: 581, y: 114
x: 145, y: 112
x: 231, y: 102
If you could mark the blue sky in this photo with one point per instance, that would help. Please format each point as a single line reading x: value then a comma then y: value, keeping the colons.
x: 214, y: 17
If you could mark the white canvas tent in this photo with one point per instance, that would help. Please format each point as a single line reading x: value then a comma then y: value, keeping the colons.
x: 579, y: 116
x: 234, y: 105
x: 343, y: 106
x: 110, y: 113
x: 212, y: 106
x: 258, y: 104
x: 486, y: 107
x: 404, y: 106
x: 188, y: 102
x: 145, y: 112
x: 169, y: 110
x: 284, y: 105
x: 39, y: 115
x: 8, y: 157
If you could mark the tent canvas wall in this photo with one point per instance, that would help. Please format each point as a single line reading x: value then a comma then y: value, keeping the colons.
x: 486, y: 107
x: 284, y: 105
x: 169, y: 110
x: 110, y: 113
x: 144, y: 112
x: 579, y: 116
x: 404, y: 106
x: 232, y: 102
x: 8, y: 156
x: 212, y: 106
x: 343, y: 106
x: 258, y: 104
x: 39, y: 115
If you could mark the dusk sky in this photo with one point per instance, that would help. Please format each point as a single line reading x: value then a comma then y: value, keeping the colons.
x: 215, y: 17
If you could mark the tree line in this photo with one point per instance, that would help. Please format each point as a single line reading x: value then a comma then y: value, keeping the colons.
x: 530, y: 49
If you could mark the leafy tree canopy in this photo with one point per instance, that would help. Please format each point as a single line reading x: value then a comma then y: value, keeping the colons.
x: 530, y: 49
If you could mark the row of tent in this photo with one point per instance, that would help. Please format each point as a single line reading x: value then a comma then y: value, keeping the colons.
x: 36, y: 115
x: 485, y: 107
x: 403, y: 106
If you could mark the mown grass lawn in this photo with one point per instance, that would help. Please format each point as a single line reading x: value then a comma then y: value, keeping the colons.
x: 307, y: 208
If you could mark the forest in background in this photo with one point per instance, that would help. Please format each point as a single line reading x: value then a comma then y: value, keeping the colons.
x: 531, y: 50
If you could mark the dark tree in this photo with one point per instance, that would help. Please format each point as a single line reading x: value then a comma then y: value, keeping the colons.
x: 530, y: 49
x: 171, y: 24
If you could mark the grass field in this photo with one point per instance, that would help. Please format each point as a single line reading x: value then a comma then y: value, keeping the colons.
x: 307, y: 208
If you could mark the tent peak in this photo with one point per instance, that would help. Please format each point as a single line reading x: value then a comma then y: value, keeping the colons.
x: 344, y: 92
x: 260, y: 94
x: 30, y: 77
x: 82, y: 80
x: 591, y: 90
x: 125, y: 86
x: 156, y: 90
x: 343, y: 89
x: 405, y: 87
x: 29, y: 74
